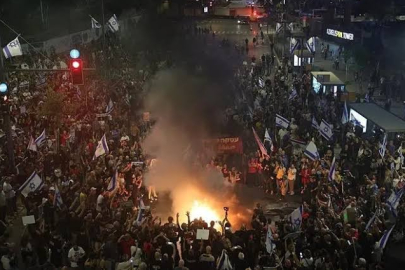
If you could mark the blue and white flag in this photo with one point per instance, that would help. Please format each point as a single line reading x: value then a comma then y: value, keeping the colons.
x: 314, y: 123
x: 13, y: 49
x: 367, y: 98
x: 345, y: 114
x: 57, y: 199
x: 290, y: 27
x: 383, y: 146
x: 384, y: 239
x: 41, y: 139
x: 32, y: 145
x: 110, y: 107
x: 296, y: 217
x: 270, y: 246
x: 394, y: 199
x: 326, y: 130
x: 141, y: 211
x: 293, y: 45
x: 102, y: 148
x: 95, y: 24
x: 279, y: 27
x: 371, y: 221
x: 281, y: 121
x: 332, y: 170
x: 224, y: 263
x: 310, y: 44
x: 113, y: 24
x: 113, y: 182
x: 267, y: 138
x: 33, y: 183
x: 293, y: 94
x: 311, y: 151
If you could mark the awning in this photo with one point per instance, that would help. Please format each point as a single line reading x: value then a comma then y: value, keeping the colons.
x: 382, y: 118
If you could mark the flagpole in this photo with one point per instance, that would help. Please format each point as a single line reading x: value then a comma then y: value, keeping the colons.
x: 6, y: 117
x: 103, y: 24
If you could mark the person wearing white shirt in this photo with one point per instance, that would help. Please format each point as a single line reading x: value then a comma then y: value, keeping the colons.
x: 100, y: 200
x: 74, y: 256
x: 10, y: 196
x: 291, y: 175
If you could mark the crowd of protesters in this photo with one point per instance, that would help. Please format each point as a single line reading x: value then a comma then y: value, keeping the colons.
x: 81, y: 222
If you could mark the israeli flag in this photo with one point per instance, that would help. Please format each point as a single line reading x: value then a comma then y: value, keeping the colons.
x: 13, y: 49
x: 371, y: 221
x: 296, y: 217
x: 33, y: 183
x: 113, y: 24
x: 267, y: 138
x: 41, y: 139
x: 281, y: 121
x: 394, y: 199
x: 311, y: 151
x: 383, y: 146
x: 310, y: 44
x: 110, y: 107
x: 113, y: 182
x: 290, y: 27
x: 314, y: 123
x: 224, y: 263
x: 95, y: 24
x: 293, y: 95
x: 326, y: 130
x: 367, y: 98
x: 270, y: 246
x: 32, y: 145
x: 384, y: 239
x: 57, y: 199
x: 102, y: 148
x: 345, y: 115
x: 293, y: 44
x: 141, y: 211
x: 279, y: 27
x: 332, y: 170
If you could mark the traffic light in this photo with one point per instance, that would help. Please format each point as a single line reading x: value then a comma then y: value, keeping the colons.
x: 76, y: 71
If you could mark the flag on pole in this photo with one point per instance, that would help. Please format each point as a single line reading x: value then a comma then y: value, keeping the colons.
x: 371, y: 221
x: 33, y: 183
x: 13, y: 49
x: 102, y: 148
x: 281, y: 121
x: 113, y: 182
x: 141, y: 211
x: 293, y: 95
x: 312, y: 151
x: 267, y: 138
x: 384, y: 239
x: 41, y: 139
x: 259, y: 143
x: 32, y: 145
x: 293, y: 45
x: 113, y: 24
x: 296, y: 217
x: 110, y: 107
x: 326, y: 130
x: 94, y: 23
x: 383, y: 146
x: 393, y: 200
x: 345, y: 115
x: 270, y: 246
x: 224, y: 263
x: 314, y: 123
x: 290, y: 27
x: 332, y: 170
x: 279, y: 27
x: 310, y: 44
x: 57, y: 199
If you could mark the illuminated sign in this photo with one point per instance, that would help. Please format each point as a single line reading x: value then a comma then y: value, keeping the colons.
x: 339, y: 34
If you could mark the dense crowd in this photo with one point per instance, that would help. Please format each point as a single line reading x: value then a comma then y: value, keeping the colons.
x: 91, y: 212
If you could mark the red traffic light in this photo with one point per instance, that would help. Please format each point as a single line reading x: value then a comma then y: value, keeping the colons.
x: 75, y: 64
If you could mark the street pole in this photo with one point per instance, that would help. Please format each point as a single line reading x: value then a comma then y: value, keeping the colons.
x: 103, y: 26
x: 7, y: 123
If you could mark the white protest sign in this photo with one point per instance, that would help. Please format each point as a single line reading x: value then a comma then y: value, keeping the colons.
x: 27, y: 220
x: 202, y: 234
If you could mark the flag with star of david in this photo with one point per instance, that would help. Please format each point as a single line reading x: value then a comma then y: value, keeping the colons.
x: 296, y: 217
x: 326, y: 130
x: 33, y: 183
x: 13, y: 49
